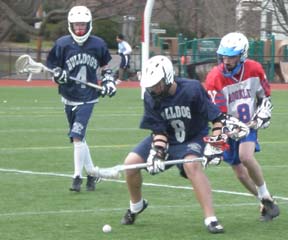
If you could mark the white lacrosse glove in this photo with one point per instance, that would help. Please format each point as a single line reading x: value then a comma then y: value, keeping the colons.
x: 262, y: 115
x: 108, y: 83
x: 212, y: 155
x: 156, y: 159
x: 213, y: 151
x: 234, y: 128
x: 60, y: 75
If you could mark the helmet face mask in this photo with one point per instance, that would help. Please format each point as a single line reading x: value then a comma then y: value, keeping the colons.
x: 231, y: 46
x: 160, y: 90
x: 80, y: 29
x: 77, y: 17
x: 158, y: 76
x: 230, y: 64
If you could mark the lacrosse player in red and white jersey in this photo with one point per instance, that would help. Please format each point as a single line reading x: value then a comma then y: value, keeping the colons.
x: 239, y: 87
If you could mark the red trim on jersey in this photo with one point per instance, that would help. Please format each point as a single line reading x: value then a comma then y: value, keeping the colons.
x: 216, y: 81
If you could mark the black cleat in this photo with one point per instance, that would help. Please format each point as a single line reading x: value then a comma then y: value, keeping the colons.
x: 269, y: 210
x: 76, y: 184
x: 129, y: 217
x: 215, y: 227
x: 91, y: 183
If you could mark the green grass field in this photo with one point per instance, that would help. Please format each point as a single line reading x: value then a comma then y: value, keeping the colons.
x: 36, y: 165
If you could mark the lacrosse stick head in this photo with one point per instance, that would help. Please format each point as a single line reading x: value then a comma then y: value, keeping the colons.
x: 219, y: 141
x: 25, y: 64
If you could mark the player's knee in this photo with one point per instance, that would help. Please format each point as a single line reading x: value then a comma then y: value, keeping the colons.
x: 192, y: 169
x: 241, y: 172
x: 242, y: 176
x: 245, y: 158
x: 133, y: 158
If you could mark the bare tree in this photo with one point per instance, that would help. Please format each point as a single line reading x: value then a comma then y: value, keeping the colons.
x: 179, y: 15
x: 12, y: 13
x: 279, y: 9
x: 22, y: 14
x: 204, y: 18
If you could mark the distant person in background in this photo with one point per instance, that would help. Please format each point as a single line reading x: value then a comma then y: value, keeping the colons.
x: 124, y: 50
x: 79, y: 55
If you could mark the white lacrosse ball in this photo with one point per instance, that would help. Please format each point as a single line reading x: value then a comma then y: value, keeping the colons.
x: 107, y: 228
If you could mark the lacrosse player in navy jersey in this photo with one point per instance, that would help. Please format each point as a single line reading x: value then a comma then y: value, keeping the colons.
x: 177, y: 111
x: 79, y: 55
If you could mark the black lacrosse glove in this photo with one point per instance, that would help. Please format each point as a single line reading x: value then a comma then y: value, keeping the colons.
x: 60, y: 75
x: 108, y: 83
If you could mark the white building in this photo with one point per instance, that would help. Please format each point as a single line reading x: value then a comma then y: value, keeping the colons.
x: 263, y: 16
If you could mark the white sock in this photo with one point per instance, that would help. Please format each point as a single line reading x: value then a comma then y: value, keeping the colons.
x: 208, y: 220
x: 263, y: 192
x: 88, y: 163
x: 136, y: 207
x: 79, y: 156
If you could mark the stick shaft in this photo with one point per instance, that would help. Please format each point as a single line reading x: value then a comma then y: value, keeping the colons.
x: 41, y: 67
x: 167, y: 163
x: 86, y: 83
x: 76, y: 79
x: 114, y: 172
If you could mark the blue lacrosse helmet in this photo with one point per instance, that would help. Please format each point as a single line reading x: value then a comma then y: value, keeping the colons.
x: 231, y: 45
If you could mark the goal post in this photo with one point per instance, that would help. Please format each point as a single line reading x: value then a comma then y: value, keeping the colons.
x: 145, y: 38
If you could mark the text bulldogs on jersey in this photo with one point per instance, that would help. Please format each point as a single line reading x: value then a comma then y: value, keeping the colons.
x: 176, y: 112
x: 81, y: 59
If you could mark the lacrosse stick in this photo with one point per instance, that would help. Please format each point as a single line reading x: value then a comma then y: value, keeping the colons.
x: 25, y: 64
x: 114, y: 172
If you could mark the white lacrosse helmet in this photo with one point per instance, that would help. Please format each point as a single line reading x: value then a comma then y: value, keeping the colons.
x: 80, y: 14
x: 231, y: 45
x: 156, y: 69
x: 234, y: 44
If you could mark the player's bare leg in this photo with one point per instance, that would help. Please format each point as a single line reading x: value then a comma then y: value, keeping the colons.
x: 203, y: 193
x: 269, y: 208
x: 243, y: 176
x: 134, y: 184
x: 246, y: 155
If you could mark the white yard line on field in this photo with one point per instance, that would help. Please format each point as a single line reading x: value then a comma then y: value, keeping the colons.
x: 94, y: 210
x: 40, y: 148
x: 122, y: 181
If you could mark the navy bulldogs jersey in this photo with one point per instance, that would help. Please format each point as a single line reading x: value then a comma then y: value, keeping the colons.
x: 81, y: 62
x: 182, y: 116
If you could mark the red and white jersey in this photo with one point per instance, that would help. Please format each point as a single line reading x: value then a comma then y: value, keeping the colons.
x: 238, y: 96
